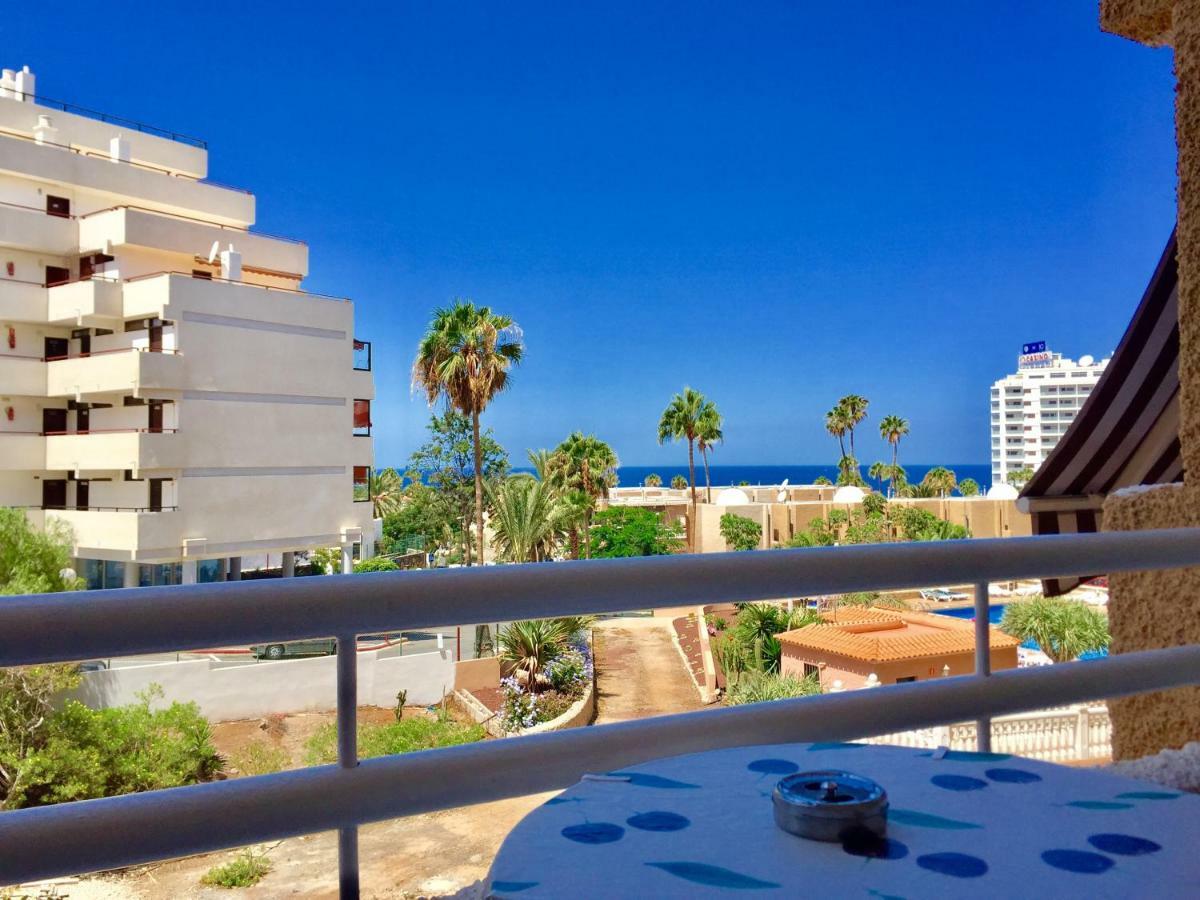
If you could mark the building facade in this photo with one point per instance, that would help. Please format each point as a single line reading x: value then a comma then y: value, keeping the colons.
x: 167, y: 390
x: 1033, y: 407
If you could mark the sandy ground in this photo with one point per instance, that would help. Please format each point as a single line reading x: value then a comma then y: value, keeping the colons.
x: 639, y: 673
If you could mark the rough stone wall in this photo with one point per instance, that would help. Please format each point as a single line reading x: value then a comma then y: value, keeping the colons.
x: 1151, y: 610
x: 1144, y: 21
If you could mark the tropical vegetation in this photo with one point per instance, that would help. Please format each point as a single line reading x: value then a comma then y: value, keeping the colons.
x: 688, y: 413
x: 892, y: 428
x: 466, y: 358
x: 621, y: 531
x: 551, y: 668
x: 653, y: 480
x: 708, y: 432
x: 749, y: 654
x: 1063, y: 629
x: 740, y: 532
x: 406, y: 735
x: 34, y: 561
x: 1018, y: 478
x: 678, y: 482
x: 586, y: 465
x: 876, y: 521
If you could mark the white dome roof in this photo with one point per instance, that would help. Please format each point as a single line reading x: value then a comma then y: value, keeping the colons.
x: 1002, y: 492
x: 732, y: 497
x: 848, y: 493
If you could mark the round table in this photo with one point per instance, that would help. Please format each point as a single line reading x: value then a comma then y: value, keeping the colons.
x: 959, y: 824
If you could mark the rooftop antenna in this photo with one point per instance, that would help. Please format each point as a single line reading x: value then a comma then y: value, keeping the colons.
x: 212, y: 253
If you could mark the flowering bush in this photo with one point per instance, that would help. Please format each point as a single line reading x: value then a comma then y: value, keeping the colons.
x: 569, y: 672
x: 519, y: 709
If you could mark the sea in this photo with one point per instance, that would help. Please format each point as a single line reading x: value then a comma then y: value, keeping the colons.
x: 632, y: 476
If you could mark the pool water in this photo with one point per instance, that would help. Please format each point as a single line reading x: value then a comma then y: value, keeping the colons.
x: 995, y: 612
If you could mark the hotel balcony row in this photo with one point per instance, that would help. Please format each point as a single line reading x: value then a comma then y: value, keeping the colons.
x: 125, y: 371
x: 54, y: 229
x: 100, y: 530
x: 114, y: 451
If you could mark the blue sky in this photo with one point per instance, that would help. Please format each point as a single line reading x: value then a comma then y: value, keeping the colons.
x: 776, y: 203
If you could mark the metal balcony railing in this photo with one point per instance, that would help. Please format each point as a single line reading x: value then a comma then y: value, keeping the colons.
x: 138, y: 828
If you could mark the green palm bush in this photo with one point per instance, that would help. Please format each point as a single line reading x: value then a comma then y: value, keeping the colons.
x: 529, y: 645
x: 1064, y: 629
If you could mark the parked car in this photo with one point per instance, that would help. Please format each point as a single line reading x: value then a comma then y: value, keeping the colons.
x: 314, y: 647
x: 93, y: 665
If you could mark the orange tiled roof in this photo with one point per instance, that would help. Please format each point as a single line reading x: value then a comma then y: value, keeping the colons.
x: 888, y: 636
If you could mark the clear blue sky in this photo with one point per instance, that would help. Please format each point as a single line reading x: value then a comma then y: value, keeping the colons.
x: 777, y: 203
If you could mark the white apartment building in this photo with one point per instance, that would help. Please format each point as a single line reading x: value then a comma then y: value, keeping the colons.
x: 1032, y: 408
x: 166, y: 388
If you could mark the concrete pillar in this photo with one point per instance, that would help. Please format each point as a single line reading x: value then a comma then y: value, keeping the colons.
x: 235, y: 569
x: 289, y: 564
x: 132, y: 570
x: 231, y: 264
x: 189, y: 572
x: 347, y: 559
x: 1151, y: 610
x: 118, y: 149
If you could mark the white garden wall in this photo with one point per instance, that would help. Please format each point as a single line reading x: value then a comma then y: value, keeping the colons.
x: 263, y: 688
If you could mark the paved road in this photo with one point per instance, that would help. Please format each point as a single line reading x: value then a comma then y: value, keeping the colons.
x: 639, y: 671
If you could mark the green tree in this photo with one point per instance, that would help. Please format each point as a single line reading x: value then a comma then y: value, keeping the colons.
x: 678, y: 482
x: 653, y: 480
x: 940, y: 480
x: 587, y: 464
x: 375, y: 564
x: 525, y: 519
x: 466, y: 357
x: 33, y: 561
x: 681, y: 421
x: 1064, y: 629
x: 822, y: 480
x: 837, y: 423
x: 892, y: 429
x: 854, y: 407
x: 1018, y: 478
x: 740, y: 532
x: 633, y: 531
x: 969, y: 487
x: 878, y: 472
x: 445, y: 464
x: 529, y: 645
x: 387, y: 491
x: 708, y: 433
x: 848, y: 472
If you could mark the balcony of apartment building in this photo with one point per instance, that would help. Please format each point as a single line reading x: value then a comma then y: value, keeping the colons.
x: 119, y: 365
x: 134, y: 226
x: 41, y: 229
x: 127, y: 434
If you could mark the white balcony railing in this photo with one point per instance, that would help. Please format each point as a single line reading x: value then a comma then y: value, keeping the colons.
x: 138, y: 828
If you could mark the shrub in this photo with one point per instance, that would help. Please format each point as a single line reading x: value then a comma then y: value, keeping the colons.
x: 760, y: 687
x: 1064, y: 629
x: 244, y: 870
x: 88, y: 753
x: 569, y: 672
x: 740, y: 532
x: 375, y: 564
x: 406, y: 736
x: 715, y: 623
x: 260, y: 758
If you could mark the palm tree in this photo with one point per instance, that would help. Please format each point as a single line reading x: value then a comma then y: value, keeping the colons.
x: 466, y: 357
x: 708, y: 434
x: 836, y: 423
x: 891, y: 429
x: 678, y: 482
x: 1063, y: 629
x: 878, y: 471
x: 968, y: 487
x: 653, y: 480
x: 387, y: 488
x: 681, y: 421
x: 940, y: 480
x: 525, y: 519
x: 587, y: 464
x: 854, y: 406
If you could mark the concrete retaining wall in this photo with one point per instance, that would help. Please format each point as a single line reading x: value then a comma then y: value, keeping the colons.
x: 287, y: 686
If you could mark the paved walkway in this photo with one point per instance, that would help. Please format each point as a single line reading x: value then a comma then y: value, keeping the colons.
x: 639, y: 671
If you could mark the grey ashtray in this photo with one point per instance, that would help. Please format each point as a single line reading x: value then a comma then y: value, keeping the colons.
x: 829, y: 805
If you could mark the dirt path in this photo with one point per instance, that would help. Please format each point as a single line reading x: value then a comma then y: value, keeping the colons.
x: 639, y: 671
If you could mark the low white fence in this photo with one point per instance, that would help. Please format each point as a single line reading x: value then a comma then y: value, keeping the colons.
x: 1057, y: 735
x: 286, y: 686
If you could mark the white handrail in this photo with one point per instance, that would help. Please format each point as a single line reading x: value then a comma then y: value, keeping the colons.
x: 101, y: 624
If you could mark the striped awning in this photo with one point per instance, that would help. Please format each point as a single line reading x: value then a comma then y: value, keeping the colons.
x: 1127, y: 432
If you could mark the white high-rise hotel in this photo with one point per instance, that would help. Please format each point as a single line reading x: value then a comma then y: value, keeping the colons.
x: 1033, y: 408
x: 166, y: 388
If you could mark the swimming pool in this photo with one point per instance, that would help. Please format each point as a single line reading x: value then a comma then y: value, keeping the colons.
x: 995, y: 612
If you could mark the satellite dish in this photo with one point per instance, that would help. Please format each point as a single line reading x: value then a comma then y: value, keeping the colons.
x: 784, y: 483
x: 781, y: 497
x: 212, y: 253
x: 1087, y: 360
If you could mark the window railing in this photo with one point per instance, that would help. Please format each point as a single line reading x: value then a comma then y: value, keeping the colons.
x: 138, y: 828
x: 362, y: 356
x: 92, y: 507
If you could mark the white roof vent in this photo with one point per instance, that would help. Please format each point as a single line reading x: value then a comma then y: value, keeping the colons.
x: 848, y: 493
x: 732, y: 497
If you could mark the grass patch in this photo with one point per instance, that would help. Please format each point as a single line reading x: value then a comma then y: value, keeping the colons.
x: 260, y: 758
x: 405, y: 736
x: 244, y: 870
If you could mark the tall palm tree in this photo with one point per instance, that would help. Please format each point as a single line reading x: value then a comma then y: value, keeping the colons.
x: 525, y: 519
x: 836, y: 423
x: 386, y: 490
x: 941, y: 480
x: 855, y: 408
x: 681, y: 421
x: 653, y: 480
x: 879, y: 471
x: 466, y: 357
x: 891, y: 429
x: 586, y: 464
x: 708, y: 433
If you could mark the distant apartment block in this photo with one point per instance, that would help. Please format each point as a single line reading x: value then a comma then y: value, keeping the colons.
x: 166, y: 387
x: 1032, y: 408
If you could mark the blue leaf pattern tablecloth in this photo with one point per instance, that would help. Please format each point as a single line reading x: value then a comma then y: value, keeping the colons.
x: 966, y: 824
